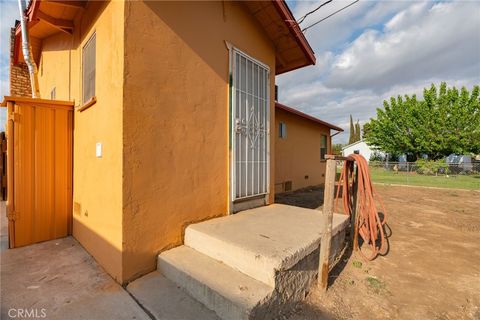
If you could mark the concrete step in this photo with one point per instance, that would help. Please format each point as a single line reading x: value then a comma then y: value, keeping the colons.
x: 164, y: 300
x: 230, y: 293
x: 266, y: 241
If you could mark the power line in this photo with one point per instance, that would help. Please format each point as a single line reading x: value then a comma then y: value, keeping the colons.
x: 313, y: 11
x: 323, y: 19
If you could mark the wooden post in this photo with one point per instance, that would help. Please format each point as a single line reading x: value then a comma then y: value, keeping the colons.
x: 327, y: 217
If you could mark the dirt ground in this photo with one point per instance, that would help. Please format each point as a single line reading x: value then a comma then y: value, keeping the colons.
x: 431, y: 272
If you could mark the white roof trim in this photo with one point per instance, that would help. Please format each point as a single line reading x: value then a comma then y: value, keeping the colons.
x: 352, y: 144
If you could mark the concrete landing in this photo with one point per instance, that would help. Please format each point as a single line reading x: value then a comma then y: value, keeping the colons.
x: 58, y: 279
x: 262, y: 241
x: 256, y: 264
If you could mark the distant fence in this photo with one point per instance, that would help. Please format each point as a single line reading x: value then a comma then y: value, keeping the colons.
x: 413, y: 167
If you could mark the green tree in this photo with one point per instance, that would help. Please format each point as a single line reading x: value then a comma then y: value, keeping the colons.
x: 337, y: 148
x: 358, y: 132
x: 365, y: 130
x: 446, y: 121
x: 351, y: 139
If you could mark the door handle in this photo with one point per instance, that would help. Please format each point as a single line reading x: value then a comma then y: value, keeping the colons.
x: 237, y: 126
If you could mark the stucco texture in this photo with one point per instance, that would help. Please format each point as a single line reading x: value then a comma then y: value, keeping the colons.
x: 176, y: 119
x: 162, y: 116
x: 97, y: 182
x: 298, y: 155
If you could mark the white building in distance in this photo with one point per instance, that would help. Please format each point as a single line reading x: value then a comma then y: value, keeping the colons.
x: 360, y: 147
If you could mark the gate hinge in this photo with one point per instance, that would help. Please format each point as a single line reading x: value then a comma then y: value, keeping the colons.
x: 14, y: 116
x: 12, y: 215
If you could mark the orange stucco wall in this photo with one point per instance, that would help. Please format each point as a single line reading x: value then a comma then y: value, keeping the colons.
x: 298, y: 155
x: 176, y: 114
x: 162, y: 116
x: 97, y: 182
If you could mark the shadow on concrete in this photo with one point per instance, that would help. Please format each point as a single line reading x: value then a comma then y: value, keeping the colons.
x: 311, y: 197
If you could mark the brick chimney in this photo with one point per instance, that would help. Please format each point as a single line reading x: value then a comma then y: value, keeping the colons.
x: 19, y: 77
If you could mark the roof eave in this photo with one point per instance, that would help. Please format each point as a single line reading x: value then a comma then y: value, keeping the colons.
x: 287, y: 16
x: 307, y: 116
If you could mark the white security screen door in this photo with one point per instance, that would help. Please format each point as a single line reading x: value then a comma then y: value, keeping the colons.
x: 251, y: 123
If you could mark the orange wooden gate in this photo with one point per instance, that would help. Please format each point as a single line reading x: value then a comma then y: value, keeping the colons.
x: 39, y: 169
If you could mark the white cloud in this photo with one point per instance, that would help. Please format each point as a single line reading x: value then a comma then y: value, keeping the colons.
x: 419, y: 42
x: 336, y: 30
x: 337, y: 105
x: 4, y: 78
x: 407, y: 17
x: 381, y: 49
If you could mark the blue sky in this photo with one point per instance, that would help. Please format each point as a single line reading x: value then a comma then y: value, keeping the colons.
x: 365, y: 54
x: 378, y: 49
x: 8, y: 14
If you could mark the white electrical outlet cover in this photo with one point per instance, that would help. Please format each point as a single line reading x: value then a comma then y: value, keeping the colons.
x: 98, y: 150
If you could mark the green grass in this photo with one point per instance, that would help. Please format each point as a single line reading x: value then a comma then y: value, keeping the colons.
x: 375, y: 284
x: 380, y: 175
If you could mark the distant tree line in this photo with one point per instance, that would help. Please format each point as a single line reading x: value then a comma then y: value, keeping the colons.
x: 446, y: 121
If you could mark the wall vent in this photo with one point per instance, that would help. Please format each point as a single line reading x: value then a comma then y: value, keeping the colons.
x: 288, y: 186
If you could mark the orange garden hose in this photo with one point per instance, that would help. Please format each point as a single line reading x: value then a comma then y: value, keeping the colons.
x: 367, y: 222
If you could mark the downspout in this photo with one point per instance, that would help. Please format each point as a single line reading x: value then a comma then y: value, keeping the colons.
x: 27, y: 51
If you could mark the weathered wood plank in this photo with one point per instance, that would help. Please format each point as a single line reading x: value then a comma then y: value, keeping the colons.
x: 327, y: 218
